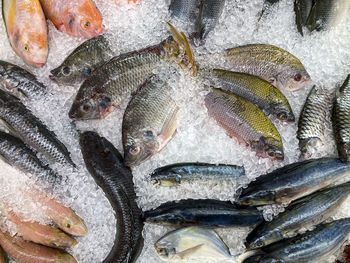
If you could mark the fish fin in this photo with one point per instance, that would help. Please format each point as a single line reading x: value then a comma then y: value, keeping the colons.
x: 298, y: 19
x: 311, y: 21
x: 343, y: 86
x: 5, y: 127
x: 170, y: 125
x: 183, y: 254
x: 4, y: 159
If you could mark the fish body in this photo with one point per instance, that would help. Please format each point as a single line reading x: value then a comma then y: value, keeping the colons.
x: 293, y: 181
x: 302, y: 9
x: 183, y: 9
x: 242, y: 119
x: 31, y: 130
x: 203, y: 212
x: 26, y: 29
x: 254, y: 89
x: 80, y: 64
x: 312, y: 121
x: 300, y: 214
x: 79, y: 18
x: 192, y: 243
x: 149, y: 121
x: 341, y: 120
x: 175, y: 174
x: 106, y: 166
x: 20, y: 82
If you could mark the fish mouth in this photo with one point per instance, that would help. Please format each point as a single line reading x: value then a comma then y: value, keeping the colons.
x: 52, y: 77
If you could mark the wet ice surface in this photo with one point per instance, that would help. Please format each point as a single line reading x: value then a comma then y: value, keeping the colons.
x: 326, y: 57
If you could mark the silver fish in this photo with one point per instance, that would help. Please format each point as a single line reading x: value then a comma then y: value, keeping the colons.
x: 183, y: 9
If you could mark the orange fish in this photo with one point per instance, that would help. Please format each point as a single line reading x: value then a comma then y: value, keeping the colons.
x: 27, y: 30
x: 77, y: 18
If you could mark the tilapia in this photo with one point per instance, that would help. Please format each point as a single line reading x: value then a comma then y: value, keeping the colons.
x: 293, y: 181
x: 240, y: 118
x: 80, y: 64
x: 20, y: 82
x: 183, y: 9
x: 31, y: 130
x: 175, y: 174
x: 203, y: 212
x: 302, y: 9
x: 192, y: 243
x: 79, y: 18
x: 117, y: 79
x: 300, y: 214
x: 149, y: 121
x: 254, y: 89
x: 312, y: 121
x: 105, y: 164
x: 341, y: 120
x: 27, y: 30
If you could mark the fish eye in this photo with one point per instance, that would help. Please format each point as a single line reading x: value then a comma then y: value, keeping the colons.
x: 134, y: 150
x: 148, y: 133
x: 271, y: 153
x: 86, y: 24
x: 105, y: 102
x: 87, y: 71
x: 297, y: 77
x: 26, y: 47
x: 86, y: 107
x: 282, y: 116
x: 66, y: 71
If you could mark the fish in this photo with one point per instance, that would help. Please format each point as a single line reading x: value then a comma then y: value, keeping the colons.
x: 293, y: 181
x: 300, y: 214
x: 302, y: 9
x: 245, y: 121
x: 106, y: 166
x: 183, y: 9
x: 83, y: 60
x: 120, y: 77
x: 175, y: 174
x: 29, y: 252
x: 23, y: 124
x: 79, y: 18
x: 312, y: 122
x: 203, y: 212
x: 26, y: 30
x: 20, y: 82
x: 149, y: 122
x: 192, y: 243
x: 340, y: 120
x: 254, y: 89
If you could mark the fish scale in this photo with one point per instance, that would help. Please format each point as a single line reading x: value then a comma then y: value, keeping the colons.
x: 183, y: 9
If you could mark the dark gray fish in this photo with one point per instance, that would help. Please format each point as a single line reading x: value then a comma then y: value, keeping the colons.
x: 183, y: 9
x: 300, y: 214
x: 31, y: 130
x: 20, y: 82
x: 293, y: 181
x: 302, y: 9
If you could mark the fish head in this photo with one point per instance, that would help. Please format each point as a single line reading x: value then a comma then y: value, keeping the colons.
x: 72, y: 224
x: 344, y: 152
x: 167, y: 180
x: 71, y: 73
x: 97, y: 107
x: 295, y: 79
x: 310, y: 146
x: 285, y: 113
x: 257, y: 198
x: 257, y: 240
x: 164, y: 249
x: 268, y: 148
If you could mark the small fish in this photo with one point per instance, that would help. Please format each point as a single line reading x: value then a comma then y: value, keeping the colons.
x: 312, y: 122
x: 300, y: 214
x: 149, y: 121
x: 254, y: 89
x: 341, y: 122
x: 203, y: 212
x: 245, y: 121
x: 293, y: 181
x: 192, y: 243
x: 175, y: 174
x: 183, y: 9
x: 26, y: 29
x: 80, y: 64
x: 79, y: 18
x: 20, y: 82
x: 302, y: 9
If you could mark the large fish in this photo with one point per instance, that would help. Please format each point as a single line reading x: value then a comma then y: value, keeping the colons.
x: 79, y: 18
x: 341, y: 120
x: 183, y: 9
x: 293, y: 181
x: 26, y: 30
x: 80, y: 64
x: 242, y: 119
x: 312, y: 121
x: 300, y: 214
x: 254, y: 89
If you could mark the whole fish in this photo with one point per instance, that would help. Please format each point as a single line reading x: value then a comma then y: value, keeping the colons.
x: 341, y: 120
x: 203, y: 212
x: 192, y: 243
x: 300, y: 214
x: 302, y: 9
x: 174, y: 174
x: 20, y: 82
x: 31, y: 130
x: 254, y: 89
x: 105, y: 164
x: 116, y: 80
x: 293, y: 181
x: 80, y: 64
x: 149, y: 121
x: 240, y: 118
x: 79, y: 18
x: 183, y: 9
x: 312, y: 121
x: 26, y: 29
x: 311, y: 246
